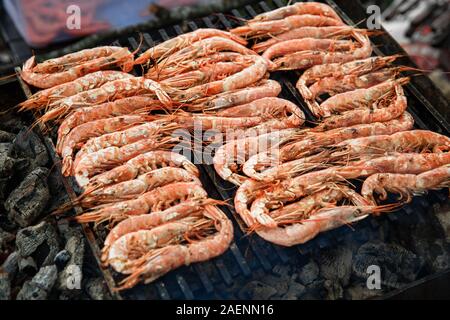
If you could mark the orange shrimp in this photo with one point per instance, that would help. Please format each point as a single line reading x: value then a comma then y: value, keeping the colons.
x: 110, y: 157
x: 76, y: 138
x: 242, y: 79
x: 134, y: 133
x: 110, y: 91
x: 337, y: 70
x: 396, y: 107
x: 299, y: 8
x: 274, y: 27
x: 305, y: 59
x: 262, y: 89
x: 230, y: 155
x: 149, y: 221
x: 169, y: 47
x: 141, y: 164
x: 358, y: 98
x: 304, y: 32
x: 125, y: 106
x: 43, y: 98
x: 131, y: 188
x: 406, y: 185
x: 155, y: 200
x: 73, y: 66
x: 158, y: 262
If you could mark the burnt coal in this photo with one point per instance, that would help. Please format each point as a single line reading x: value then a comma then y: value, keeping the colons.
x: 336, y: 264
x: 6, y: 238
x: 5, y: 286
x: 28, y: 201
x: 39, y: 241
x: 398, y: 265
x: 27, y: 266
x: 359, y: 291
x: 6, y: 136
x: 62, y: 258
x: 28, y: 145
x: 257, y: 290
x: 334, y: 290
x: 295, y: 291
x: 97, y: 289
x: 443, y: 216
x: 71, y: 276
x: 308, y: 273
x: 11, y: 265
x: 40, y: 286
x: 7, y: 164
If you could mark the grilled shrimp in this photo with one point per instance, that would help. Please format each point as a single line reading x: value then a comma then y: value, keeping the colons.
x: 155, y: 200
x: 41, y: 99
x: 157, y: 262
x: 149, y: 221
x: 125, y: 106
x: 293, y: 189
x: 274, y: 27
x: 256, y: 166
x: 173, y: 45
x: 305, y: 59
x: 72, y: 66
x: 242, y: 79
x: 230, y: 155
x: 406, y: 185
x: 418, y: 141
x: 335, y: 85
x: 337, y: 70
x: 303, y: 32
x: 141, y: 164
x: 299, y: 8
x: 76, y: 138
x: 396, y: 107
x: 262, y: 89
x: 126, y: 136
x: 110, y: 91
x: 131, y: 188
x: 110, y: 157
x: 322, y: 220
x: 358, y: 98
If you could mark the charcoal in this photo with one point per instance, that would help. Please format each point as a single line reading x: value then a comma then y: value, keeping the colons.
x: 280, y: 284
x: 39, y: 241
x: 57, y: 190
x: 28, y: 145
x: 334, y: 290
x: 282, y: 270
x: 97, y: 289
x: 70, y: 278
x: 257, y: 290
x: 435, y: 252
x: 11, y: 265
x: 360, y: 291
x: 7, y: 164
x: 27, y: 202
x: 27, y: 266
x: 295, y: 291
x: 398, y: 266
x: 336, y: 264
x: 62, y: 258
x: 5, y: 287
x: 308, y: 273
x: 443, y: 216
x: 6, y: 136
x: 5, y: 239
x: 40, y: 286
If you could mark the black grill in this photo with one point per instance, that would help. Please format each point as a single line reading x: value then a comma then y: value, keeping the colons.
x: 250, y: 254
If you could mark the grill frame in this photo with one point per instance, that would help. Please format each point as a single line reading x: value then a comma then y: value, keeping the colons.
x: 250, y: 254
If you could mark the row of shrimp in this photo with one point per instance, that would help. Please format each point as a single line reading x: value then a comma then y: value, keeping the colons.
x: 304, y: 34
x: 295, y: 183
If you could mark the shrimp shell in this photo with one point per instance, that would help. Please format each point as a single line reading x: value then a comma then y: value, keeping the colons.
x: 110, y: 157
x: 121, y: 57
x: 155, y: 200
x: 43, y: 98
x: 182, y: 41
x: 141, y: 164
